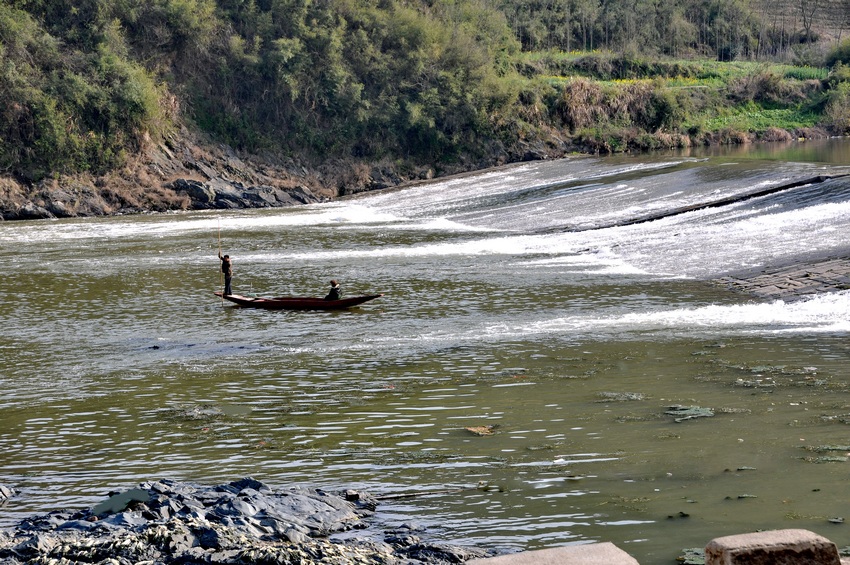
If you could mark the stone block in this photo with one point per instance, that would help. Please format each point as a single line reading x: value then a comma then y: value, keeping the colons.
x: 772, y: 289
x: 590, y: 554
x: 775, y: 547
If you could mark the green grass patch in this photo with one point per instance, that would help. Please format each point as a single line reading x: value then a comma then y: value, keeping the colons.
x: 806, y: 73
x: 727, y: 71
x: 558, y: 67
x: 754, y: 118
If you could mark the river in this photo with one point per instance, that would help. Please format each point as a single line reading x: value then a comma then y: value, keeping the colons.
x: 511, y: 301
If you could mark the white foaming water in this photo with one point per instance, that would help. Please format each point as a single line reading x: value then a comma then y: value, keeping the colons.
x: 713, y: 242
x: 499, y: 211
x: 823, y: 314
x: 698, y: 244
x: 167, y: 225
x: 828, y: 313
x: 437, y: 224
x: 451, y: 194
x: 321, y: 215
x: 704, y: 243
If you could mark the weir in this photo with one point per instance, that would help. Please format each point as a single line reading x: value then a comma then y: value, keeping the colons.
x: 743, y: 197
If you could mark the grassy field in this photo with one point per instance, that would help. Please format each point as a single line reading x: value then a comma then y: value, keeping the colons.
x: 615, y: 102
x: 753, y: 118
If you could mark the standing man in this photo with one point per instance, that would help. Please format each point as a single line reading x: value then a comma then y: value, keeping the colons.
x: 227, y: 269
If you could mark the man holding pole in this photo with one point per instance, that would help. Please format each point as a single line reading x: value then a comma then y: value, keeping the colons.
x: 227, y: 269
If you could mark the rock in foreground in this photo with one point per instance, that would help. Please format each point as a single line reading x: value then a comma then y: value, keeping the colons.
x: 240, y: 522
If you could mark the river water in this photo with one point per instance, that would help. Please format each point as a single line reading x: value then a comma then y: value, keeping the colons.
x: 510, y: 300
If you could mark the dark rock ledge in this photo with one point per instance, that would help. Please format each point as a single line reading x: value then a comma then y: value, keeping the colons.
x: 804, y: 278
x: 52, y: 202
x: 244, y: 521
x: 220, y: 193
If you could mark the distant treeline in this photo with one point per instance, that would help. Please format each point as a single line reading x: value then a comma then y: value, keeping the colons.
x: 722, y: 29
x: 84, y: 84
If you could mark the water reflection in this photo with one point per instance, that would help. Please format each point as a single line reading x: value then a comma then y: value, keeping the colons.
x: 834, y: 151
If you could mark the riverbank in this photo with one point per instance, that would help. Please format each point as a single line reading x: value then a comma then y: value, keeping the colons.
x: 189, y: 171
x: 244, y: 521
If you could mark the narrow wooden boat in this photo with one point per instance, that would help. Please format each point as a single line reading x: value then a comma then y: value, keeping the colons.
x: 297, y: 302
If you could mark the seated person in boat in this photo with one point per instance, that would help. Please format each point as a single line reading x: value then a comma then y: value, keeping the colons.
x: 335, y: 291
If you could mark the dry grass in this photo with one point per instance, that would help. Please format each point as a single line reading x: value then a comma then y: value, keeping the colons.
x: 775, y: 134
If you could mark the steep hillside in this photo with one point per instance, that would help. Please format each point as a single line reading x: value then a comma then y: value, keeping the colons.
x: 108, y: 102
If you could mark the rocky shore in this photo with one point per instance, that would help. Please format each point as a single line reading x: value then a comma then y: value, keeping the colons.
x: 187, y: 171
x: 244, y: 521
x: 183, y: 172
x: 247, y: 522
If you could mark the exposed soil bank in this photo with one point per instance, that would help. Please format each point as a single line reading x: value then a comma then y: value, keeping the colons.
x: 185, y: 172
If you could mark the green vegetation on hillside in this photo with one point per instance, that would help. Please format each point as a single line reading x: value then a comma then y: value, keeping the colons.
x: 66, y: 109
x: 85, y: 84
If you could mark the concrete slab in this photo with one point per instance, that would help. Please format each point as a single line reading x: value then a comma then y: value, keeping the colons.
x: 590, y: 554
x: 774, y: 547
x: 792, y: 281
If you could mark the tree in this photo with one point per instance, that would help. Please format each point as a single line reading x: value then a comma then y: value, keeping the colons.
x: 586, y: 14
x: 808, y: 12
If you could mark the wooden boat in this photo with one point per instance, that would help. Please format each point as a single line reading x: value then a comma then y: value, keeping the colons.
x: 297, y: 302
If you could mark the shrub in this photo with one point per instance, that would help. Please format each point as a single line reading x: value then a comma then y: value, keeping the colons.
x: 840, y: 54
x: 837, y: 109
x: 766, y: 86
x: 773, y: 134
x: 580, y: 104
x: 616, y: 140
x: 670, y: 111
x: 806, y: 73
x: 839, y: 73
x: 68, y: 111
x: 731, y: 136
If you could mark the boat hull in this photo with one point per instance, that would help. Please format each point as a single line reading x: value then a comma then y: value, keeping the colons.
x: 297, y: 302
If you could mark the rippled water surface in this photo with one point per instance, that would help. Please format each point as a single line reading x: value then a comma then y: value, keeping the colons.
x: 512, y: 300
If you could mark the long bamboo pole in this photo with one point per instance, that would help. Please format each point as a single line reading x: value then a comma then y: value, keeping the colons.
x: 220, y: 271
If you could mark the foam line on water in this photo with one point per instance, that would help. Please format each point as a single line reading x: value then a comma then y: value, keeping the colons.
x: 820, y: 314
x: 828, y: 313
x: 168, y: 225
x: 566, y: 250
